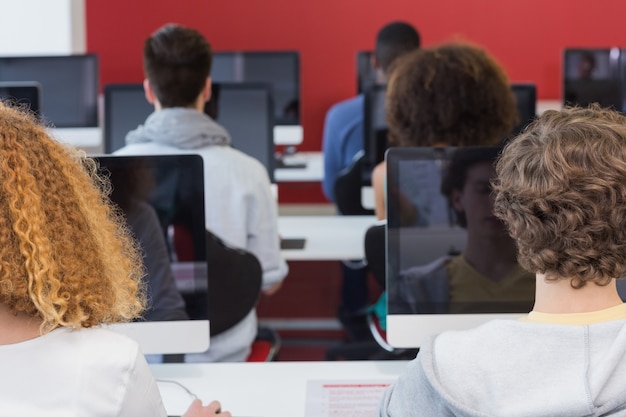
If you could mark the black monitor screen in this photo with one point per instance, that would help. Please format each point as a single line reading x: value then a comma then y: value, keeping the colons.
x: 22, y: 94
x: 280, y: 70
x: 526, y: 99
x: 365, y: 71
x: 245, y: 110
x: 442, y: 233
x: 69, y: 86
x: 374, y: 130
x: 162, y: 198
x: 592, y: 75
x: 125, y: 108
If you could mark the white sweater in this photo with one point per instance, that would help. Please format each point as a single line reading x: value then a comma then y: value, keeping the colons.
x: 74, y: 373
x: 239, y: 205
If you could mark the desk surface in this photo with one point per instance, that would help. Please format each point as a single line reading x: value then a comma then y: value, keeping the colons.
x: 328, y: 238
x: 312, y: 172
x: 266, y: 389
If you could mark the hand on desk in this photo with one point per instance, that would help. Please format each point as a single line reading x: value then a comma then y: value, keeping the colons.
x: 196, y: 409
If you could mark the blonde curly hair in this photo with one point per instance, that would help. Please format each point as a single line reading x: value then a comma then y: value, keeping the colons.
x: 65, y: 254
x: 561, y: 189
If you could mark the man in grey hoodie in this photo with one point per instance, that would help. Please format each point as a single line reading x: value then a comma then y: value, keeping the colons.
x: 561, y: 190
x: 239, y: 205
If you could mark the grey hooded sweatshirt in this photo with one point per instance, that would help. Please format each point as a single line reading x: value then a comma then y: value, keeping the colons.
x: 509, y: 368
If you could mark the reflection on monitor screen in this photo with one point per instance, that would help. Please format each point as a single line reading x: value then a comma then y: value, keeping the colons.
x: 280, y: 70
x: 592, y: 75
x: 69, y: 86
x: 244, y: 109
x: 451, y: 263
x: 162, y: 199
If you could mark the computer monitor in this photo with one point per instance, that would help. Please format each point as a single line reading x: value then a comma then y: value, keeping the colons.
x: 592, y: 75
x: 526, y: 99
x: 436, y: 241
x: 69, y: 86
x: 365, y: 71
x: 162, y: 199
x: 374, y: 129
x: 244, y: 109
x: 125, y: 108
x: 23, y: 94
x: 281, y: 71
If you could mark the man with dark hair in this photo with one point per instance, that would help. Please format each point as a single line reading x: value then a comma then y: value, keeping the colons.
x: 343, y: 128
x: 343, y: 140
x: 239, y: 205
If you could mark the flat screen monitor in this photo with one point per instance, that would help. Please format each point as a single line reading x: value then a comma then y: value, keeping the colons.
x: 526, y: 99
x: 280, y: 70
x: 162, y: 199
x: 374, y: 129
x: 365, y: 71
x: 244, y: 109
x: 592, y: 76
x: 69, y: 86
x: 441, y: 235
x: 23, y: 94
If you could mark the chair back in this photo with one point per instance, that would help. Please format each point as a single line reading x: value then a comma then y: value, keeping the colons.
x: 347, y: 190
x: 235, y: 278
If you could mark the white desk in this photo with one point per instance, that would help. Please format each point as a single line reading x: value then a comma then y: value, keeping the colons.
x: 312, y: 172
x: 328, y: 238
x: 266, y: 389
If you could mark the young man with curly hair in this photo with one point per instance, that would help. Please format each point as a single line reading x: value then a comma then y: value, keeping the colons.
x: 561, y: 190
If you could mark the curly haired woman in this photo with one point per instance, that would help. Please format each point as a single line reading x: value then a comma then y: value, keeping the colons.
x: 67, y: 266
x: 447, y: 95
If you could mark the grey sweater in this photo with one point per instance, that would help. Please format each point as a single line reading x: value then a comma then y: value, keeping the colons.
x: 515, y: 368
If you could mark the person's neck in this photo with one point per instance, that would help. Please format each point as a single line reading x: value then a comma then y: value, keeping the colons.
x: 17, y: 328
x: 197, y: 105
x: 493, y: 258
x: 559, y: 297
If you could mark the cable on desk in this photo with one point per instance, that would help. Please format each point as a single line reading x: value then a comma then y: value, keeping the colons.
x: 195, y: 397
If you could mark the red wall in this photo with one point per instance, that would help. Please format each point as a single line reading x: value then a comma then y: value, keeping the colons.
x: 527, y: 37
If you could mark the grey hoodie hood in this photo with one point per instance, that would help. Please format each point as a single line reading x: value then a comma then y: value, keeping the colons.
x: 512, y: 369
x: 181, y: 128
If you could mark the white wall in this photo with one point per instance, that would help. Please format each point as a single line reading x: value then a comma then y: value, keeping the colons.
x: 42, y: 27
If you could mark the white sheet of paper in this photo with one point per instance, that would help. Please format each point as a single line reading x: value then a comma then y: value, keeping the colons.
x: 345, y: 398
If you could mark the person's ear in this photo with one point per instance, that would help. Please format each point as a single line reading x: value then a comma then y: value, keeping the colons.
x: 206, y: 91
x: 148, y: 92
x: 456, y: 200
